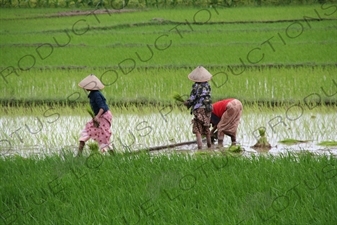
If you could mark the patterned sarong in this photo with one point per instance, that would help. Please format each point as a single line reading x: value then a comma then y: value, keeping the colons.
x: 101, y: 134
x: 201, y: 121
x: 230, y: 119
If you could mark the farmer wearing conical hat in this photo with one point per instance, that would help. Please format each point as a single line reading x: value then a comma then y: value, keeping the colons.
x: 225, y: 119
x: 98, y: 128
x: 200, y: 104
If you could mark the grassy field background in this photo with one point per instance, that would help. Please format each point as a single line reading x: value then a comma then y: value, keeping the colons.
x: 119, y: 4
x: 255, y: 54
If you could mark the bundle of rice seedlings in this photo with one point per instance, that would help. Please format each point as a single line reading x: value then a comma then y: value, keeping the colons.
x: 262, y: 143
x: 290, y: 141
x: 328, y: 143
x: 96, y: 124
x: 235, y: 148
x: 178, y: 97
x: 93, y: 146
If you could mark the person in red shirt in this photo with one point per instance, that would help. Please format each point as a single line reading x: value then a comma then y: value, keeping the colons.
x: 225, y: 119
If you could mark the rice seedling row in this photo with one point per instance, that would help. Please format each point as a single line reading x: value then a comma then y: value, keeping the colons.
x: 123, y: 56
x: 314, y: 85
x: 158, y: 44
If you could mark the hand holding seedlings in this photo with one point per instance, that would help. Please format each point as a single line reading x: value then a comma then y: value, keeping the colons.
x: 94, y: 118
x: 178, y: 97
x: 225, y: 119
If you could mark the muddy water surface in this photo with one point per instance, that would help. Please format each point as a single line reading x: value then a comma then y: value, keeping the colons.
x: 40, y: 135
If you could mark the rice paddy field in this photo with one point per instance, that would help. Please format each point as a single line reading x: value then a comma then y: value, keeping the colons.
x: 279, y: 61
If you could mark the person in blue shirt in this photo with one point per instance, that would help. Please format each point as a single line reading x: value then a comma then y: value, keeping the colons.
x: 201, y: 104
x: 98, y: 128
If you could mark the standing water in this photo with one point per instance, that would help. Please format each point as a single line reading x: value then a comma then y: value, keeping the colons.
x: 40, y: 135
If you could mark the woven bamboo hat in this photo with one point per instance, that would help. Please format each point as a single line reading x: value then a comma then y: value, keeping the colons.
x: 91, y: 83
x: 200, y: 74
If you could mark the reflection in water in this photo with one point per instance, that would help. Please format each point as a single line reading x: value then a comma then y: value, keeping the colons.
x: 131, y: 132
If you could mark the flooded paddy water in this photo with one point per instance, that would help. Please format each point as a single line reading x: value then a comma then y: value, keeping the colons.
x: 53, y: 133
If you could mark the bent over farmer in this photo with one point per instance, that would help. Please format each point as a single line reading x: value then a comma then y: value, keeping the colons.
x: 98, y: 128
x: 225, y: 119
x: 200, y: 104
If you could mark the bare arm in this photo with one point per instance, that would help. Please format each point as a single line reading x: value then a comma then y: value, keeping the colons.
x: 213, y: 129
x: 100, y: 112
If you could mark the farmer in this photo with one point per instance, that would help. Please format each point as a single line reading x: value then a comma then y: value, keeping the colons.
x: 225, y: 119
x: 200, y: 104
x: 98, y: 128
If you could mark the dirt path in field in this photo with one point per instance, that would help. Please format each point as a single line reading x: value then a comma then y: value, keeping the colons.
x: 93, y: 11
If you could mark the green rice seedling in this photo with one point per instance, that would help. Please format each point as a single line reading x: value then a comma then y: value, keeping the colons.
x: 262, y: 143
x: 178, y: 97
x: 91, y: 113
x: 291, y: 141
x: 328, y: 143
x: 93, y: 146
x: 235, y: 148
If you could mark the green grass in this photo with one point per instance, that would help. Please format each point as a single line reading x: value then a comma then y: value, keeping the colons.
x: 169, y: 189
x: 114, y: 40
x: 116, y: 48
x: 268, y: 85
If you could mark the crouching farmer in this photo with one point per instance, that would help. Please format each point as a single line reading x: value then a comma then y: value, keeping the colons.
x: 225, y: 119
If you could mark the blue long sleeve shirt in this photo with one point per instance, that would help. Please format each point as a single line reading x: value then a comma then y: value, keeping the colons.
x: 200, y: 92
x: 97, y: 101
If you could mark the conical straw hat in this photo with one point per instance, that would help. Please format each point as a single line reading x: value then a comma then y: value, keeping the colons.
x: 200, y: 74
x: 91, y: 82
